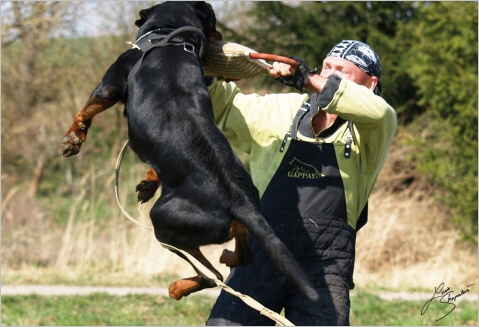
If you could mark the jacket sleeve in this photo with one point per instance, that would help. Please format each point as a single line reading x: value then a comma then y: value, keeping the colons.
x: 375, y: 121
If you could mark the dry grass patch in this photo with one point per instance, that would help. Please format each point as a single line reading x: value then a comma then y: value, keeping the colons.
x: 408, y: 242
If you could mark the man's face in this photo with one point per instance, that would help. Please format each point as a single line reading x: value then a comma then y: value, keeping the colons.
x: 346, y: 69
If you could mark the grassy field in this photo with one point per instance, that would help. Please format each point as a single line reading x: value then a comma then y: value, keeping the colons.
x: 60, y: 223
x: 139, y: 310
x: 75, y: 234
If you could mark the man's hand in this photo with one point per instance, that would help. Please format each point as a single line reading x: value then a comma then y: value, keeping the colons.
x: 289, y: 76
x: 281, y: 69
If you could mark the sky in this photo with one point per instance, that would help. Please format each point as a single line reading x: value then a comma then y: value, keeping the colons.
x: 93, y: 23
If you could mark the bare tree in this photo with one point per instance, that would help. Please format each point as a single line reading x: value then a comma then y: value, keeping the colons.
x: 41, y: 87
x: 28, y: 28
x: 26, y: 20
x: 31, y: 25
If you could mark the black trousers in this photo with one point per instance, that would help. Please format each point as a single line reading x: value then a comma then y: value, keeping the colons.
x: 330, y: 272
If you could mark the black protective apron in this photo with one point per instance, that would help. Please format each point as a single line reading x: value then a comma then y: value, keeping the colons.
x: 305, y: 205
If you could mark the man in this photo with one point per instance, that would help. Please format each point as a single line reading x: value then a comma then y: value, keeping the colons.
x: 315, y: 168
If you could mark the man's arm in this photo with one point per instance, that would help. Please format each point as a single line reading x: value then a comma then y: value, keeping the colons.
x: 315, y: 83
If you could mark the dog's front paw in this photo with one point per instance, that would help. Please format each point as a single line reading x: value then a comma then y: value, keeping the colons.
x: 146, y: 190
x: 73, y: 139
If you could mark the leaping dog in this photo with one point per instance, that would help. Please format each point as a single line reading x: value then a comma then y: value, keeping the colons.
x: 207, y: 195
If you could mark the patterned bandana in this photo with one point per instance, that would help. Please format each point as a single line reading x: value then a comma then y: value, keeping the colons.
x: 362, y: 55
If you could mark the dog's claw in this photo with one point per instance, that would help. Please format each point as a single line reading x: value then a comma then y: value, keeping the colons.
x: 74, y: 139
x: 68, y: 150
x: 71, y: 145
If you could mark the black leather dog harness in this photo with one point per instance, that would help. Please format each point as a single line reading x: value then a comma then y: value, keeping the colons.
x: 158, y: 38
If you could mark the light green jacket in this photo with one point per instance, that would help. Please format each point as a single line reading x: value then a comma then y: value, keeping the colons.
x: 256, y: 125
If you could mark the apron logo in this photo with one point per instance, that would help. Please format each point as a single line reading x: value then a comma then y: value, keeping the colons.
x: 303, y: 170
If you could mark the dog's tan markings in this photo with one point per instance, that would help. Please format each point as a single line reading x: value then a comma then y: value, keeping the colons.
x: 148, y: 186
x: 184, y: 287
x: 76, y: 135
x: 242, y: 254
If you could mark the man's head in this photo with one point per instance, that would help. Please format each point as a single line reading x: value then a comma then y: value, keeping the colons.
x: 355, y: 61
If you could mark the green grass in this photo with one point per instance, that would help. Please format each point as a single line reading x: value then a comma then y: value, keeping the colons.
x: 101, y: 309
x: 368, y: 309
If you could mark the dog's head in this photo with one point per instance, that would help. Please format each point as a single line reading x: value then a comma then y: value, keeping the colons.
x: 187, y: 13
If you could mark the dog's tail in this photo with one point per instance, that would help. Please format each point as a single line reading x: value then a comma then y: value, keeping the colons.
x: 282, y: 257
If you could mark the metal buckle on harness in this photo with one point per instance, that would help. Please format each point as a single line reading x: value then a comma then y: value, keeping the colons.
x: 347, y: 146
x: 189, y: 47
x: 349, y: 141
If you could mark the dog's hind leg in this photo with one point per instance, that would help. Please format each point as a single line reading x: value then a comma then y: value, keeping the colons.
x: 242, y: 254
x: 186, y: 286
x: 148, y: 186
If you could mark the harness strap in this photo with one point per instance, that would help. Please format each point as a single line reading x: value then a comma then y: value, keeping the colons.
x: 145, y: 44
x: 303, y: 110
x: 133, y: 71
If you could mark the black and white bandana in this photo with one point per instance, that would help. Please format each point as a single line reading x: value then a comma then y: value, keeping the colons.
x: 362, y: 55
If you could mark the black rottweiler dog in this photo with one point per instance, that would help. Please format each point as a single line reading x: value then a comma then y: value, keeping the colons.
x: 207, y: 195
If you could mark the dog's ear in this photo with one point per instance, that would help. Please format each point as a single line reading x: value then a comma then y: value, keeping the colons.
x: 143, y: 16
x: 205, y: 13
x: 202, y: 9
